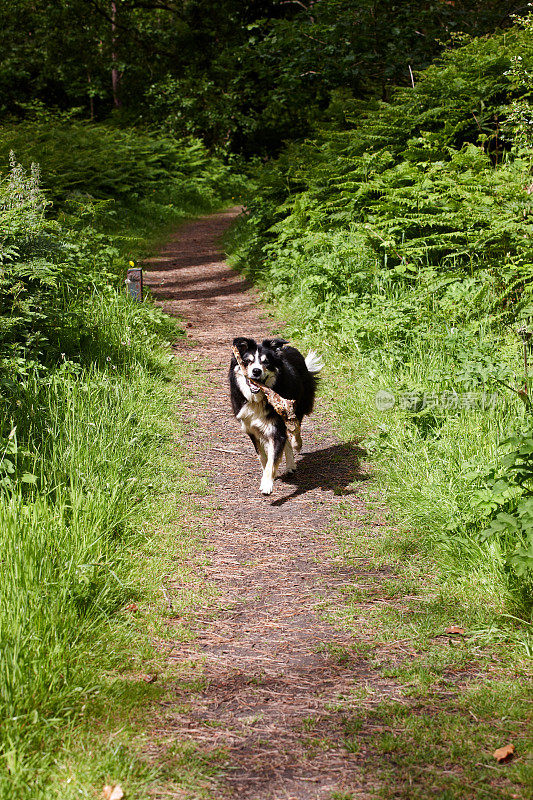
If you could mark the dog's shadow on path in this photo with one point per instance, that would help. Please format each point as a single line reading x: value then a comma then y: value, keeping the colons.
x: 332, y: 468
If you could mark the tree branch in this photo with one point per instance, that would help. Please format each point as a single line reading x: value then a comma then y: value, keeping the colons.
x: 298, y: 3
x: 156, y: 7
x: 148, y: 47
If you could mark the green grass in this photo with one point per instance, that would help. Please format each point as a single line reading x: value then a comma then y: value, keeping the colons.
x: 93, y: 438
x: 454, y: 698
x: 419, y: 748
x: 98, y: 524
x: 109, y: 524
x: 435, y: 705
x: 440, y: 704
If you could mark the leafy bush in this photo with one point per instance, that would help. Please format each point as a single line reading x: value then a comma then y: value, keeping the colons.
x: 507, y: 501
x: 103, y: 162
x: 105, y: 184
x: 84, y: 411
x: 403, y: 241
x: 46, y: 271
x: 91, y: 440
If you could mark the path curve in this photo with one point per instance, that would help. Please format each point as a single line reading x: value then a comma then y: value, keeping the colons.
x: 276, y: 687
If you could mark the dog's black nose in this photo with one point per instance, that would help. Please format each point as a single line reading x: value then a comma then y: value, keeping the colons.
x: 256, y: 372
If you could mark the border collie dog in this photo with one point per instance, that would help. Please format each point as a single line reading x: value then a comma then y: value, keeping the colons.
x: 287, y: 372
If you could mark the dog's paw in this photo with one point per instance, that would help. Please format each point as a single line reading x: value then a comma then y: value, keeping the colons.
x: 266, y: 487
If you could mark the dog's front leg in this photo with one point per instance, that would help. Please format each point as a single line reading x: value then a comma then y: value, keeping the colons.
x: 263, y: 458
x: 274, y: 450
x: 289, y: 458
x: 259, y: 449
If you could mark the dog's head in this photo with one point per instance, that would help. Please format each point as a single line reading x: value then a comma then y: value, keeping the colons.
x: 262, y: 361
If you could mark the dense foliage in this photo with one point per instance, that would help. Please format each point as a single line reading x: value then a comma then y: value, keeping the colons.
x: 56, y: 255
x: 240, y: 75
x: 406, y: 238
x: 82, y: 377
x: 98, y: 162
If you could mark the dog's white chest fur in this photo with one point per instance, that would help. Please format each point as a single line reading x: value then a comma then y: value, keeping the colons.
x: 253, y: 418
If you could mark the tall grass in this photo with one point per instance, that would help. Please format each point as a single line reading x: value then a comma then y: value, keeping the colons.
x: 93, y: 440
x: 86, y: 409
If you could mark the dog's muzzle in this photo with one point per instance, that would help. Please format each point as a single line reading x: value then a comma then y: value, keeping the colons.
x: 256, y: 375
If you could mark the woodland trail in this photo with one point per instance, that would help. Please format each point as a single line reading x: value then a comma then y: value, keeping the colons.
x: 275, y: 690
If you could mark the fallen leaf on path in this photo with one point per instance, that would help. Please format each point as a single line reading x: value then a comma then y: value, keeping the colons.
x: 112, y: 792
x: 149, y: 678
x: 504, y: 754
x: 455, y: 629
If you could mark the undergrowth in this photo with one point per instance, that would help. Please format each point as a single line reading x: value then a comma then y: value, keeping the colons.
x: 85, y: 411
x: 400, y: 245
x: 85, y: 160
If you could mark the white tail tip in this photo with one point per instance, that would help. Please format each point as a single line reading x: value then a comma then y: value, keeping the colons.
x: 313, y: 362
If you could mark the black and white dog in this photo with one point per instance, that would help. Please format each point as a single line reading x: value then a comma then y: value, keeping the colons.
x: 287, y: 372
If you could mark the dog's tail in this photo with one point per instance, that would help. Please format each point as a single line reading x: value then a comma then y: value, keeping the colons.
x: 314, y: 363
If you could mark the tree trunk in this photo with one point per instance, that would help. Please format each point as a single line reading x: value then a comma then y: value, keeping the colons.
x: 115, y: 75
x: 91, y: 98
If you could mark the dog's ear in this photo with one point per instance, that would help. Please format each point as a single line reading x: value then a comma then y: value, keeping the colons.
x: 243, y: 344
x: 275, y: 344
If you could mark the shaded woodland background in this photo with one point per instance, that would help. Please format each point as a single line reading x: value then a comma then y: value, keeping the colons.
x: 242, y: 76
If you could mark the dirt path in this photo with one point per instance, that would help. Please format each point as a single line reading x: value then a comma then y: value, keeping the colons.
x: 278, y: 676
